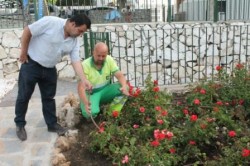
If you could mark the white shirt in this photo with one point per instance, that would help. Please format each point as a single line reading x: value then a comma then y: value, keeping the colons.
x: 47, y: 45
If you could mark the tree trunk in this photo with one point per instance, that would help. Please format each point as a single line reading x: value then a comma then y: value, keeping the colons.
x: 121, y: 3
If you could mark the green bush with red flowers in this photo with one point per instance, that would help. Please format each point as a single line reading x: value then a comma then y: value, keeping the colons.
x: 210, y: 125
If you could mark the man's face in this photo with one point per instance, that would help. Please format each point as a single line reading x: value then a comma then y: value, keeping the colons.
x: 77, y: 31
x: 99, y: 56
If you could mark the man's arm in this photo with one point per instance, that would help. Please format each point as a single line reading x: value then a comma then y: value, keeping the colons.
x: 82, y: 94
x: 79, y: 71
x: 120, y: 77
x: 25, y: 40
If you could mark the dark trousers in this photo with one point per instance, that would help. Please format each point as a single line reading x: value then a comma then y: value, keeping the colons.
x: 30, y: 74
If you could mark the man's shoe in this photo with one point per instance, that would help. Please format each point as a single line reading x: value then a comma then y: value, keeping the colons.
x: 58, y: 129
x: 21, y: 133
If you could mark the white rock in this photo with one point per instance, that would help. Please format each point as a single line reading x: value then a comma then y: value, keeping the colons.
x: 5, y: 86
x: 10, y: 40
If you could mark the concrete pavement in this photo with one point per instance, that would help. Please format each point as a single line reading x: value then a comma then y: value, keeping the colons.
x: 37, y: 149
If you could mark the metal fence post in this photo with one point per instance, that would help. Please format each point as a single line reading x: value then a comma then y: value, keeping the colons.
x: 215, y: 10
x: 108, y: 42
x: 169, y: 11
x: 94, y: 37
x: 86, y: 45
x: 25, y: 12
x: 40, y: 9
x: 163, y: 13
x: 35, y: 10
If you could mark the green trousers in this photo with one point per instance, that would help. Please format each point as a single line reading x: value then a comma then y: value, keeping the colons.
x: 99, y: 97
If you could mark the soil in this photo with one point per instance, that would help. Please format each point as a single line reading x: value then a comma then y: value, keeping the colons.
x: 79, y: 153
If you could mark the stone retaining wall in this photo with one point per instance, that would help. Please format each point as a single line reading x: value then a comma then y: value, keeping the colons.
x: 171, y: 52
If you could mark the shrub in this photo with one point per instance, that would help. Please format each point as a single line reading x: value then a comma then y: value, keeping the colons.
x: 209, y: 126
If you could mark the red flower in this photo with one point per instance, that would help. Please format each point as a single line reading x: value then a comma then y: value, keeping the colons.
x: 210, y: 119
x: 218, y: 68
x: 216, y: 109
x: 203, y: 91
x: 156, y: 132
x: 239, y: 66
x: 160, y: 121
x: 158, y: 135
x: 169, y: 135
x: 142, y: 109
x: 185, y: 111
x: 245, y: 152
x: 191, y: 142
x: 193, y: 118
x: 135, y: 126
x: 115, y: 114
x: 231, y: 133
x: 125, y: 159
x: 157, y: 108
x: 155, y: 143
x: 220, y: 103
x: 203, y: 126
x: 155, y: 82
x: 156, y: 89
x: 101, y: 129
x: 164, y: 113
x: 130, y: 86
x: 134, y: 93
x: 197, y: 102
x: 241, y: 102
x: 138, y: 90
x: 172, y: 150
x: 178, y: 103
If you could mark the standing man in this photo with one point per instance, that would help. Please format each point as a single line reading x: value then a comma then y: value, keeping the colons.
x: 128, y: 14
x: 43, y: 44
x: 69, y: 12
x: 98, y: 69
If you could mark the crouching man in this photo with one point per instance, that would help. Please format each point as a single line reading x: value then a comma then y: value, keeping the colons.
x: 99, y: 70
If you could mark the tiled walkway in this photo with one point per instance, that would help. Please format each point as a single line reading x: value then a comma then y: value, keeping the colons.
x: 37, y: 149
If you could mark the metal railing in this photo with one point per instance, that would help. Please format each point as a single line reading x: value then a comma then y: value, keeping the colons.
x: 11, y: 14
x: 181, y: 55
x: 14, y: 14
x: 211, y: 10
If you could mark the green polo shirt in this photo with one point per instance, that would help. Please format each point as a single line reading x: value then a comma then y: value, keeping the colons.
x: 99, y: 78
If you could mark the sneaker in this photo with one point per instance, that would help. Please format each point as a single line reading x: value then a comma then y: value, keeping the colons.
x: 21, y: 133
x: 58, y: 129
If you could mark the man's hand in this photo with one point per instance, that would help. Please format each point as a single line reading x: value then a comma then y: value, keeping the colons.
x: 23, y: 58
x: 124, y: 90
x: 88, y: 85
x: 88, y: 107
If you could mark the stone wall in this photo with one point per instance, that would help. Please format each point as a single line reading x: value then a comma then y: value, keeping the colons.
x: 172, y: 53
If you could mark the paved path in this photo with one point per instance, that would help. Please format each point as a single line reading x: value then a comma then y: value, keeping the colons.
x: 37, y: 149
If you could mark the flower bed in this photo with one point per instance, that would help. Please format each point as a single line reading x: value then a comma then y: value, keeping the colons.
x: 210, y: 126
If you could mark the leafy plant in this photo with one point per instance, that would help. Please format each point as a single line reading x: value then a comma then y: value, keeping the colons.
x: 209, y: 126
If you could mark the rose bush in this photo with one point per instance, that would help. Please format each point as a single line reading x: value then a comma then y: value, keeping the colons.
x: 209, y: 126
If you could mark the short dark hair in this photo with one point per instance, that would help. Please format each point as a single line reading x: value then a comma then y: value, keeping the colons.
x: 81, y: 19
